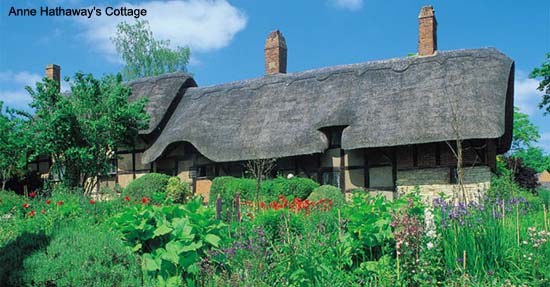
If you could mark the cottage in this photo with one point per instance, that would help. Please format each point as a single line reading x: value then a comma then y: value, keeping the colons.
x: 387, y: 126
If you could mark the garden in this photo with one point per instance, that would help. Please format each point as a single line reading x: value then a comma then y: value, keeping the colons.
x: 296, y: 233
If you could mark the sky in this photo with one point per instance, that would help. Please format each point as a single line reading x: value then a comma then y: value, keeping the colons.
x: 226, y: 38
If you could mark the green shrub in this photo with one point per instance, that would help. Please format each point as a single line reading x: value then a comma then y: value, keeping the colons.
x: 296, y: 187
x: 228, y: 186
x: 14, y: 252
x: 147, y: 186
x: 172, y: 238
x: 328, y: 192
x: 176, y: 190
x: 83, y: 255
x: 10, y: 202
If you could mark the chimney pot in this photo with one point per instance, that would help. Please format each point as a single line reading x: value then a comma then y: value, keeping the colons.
x: 427, y: 31
x: 275, y: 53
x: 53, y: 72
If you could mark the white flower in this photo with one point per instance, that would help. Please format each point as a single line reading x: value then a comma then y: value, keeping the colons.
x: 289, y: 176
x: 430, y: 245
x: 431, y: 233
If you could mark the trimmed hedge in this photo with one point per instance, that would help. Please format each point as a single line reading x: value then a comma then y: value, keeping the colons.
x: 228, y: 186
x: 329, y: 192
x: 147, y: 185
x: 296, y: 187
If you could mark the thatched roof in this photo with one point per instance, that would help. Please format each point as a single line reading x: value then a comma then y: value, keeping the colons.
x: 164, y: 93
x: 383, y: 103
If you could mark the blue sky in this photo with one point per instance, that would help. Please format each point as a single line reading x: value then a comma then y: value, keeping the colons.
x: 227, y: 37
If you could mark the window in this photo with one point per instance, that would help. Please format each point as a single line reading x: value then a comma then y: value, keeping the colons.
x: 331, y: 178
x: 205, y: 171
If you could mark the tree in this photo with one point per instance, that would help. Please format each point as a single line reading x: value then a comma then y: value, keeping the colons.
x: 13, y: 144
x: 259, y: 169
x: 534, y: 158
x: 82, y: 130
x: 544, y: 86
x: 525, y: 133
x: 143, y: 55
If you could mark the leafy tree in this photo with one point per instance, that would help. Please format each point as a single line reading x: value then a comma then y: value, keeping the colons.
x: 143, y: 55
x: 525, y: 133
x: 13, y: 144
x: 82, y: 130
x: 544, y: 86
x: 534, y: 158
x: 522, y: 174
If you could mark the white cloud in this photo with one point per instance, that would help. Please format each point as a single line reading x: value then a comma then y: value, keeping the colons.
x: 20, y: 78
x: 16, y: 95
x: 352, y: 5
x: 203, y: 25
x: 18, y: 99
x: 526, y: 95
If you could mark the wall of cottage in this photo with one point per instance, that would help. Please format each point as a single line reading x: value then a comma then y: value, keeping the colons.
x: 433, y: 181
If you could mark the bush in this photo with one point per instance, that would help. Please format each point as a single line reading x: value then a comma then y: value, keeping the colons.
x: 14, y: 252
x: 296, y: 187
x: 176, y: 190
x: 83, y: 255
x: 9, y: 202
x: 147, y: 186
x: 228, y: 186
x: 328, y: 192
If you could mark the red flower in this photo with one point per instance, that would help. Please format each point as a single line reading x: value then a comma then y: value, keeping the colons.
x: 32, y: 194
x: 92, y: 201
x: 127, y: 198
x: 26, y: 205
x: 43, y: 211
x: 262, y: 204
x: 48, y: 201
x: 145, y: 200
x: 59, y: 203
x: 32, y: 213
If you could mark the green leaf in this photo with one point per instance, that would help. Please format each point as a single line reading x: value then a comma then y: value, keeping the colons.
x: 137, y: 247
x: 212, y: 239
x: 161, y: 230
x: 192, y: 247
x: 170, y: 256
x: 174, y: 281
x: 149, y: 263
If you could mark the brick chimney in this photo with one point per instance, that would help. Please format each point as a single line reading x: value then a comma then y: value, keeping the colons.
x: 53, y: 72
x: 275, y: 53
x: 427, y: 31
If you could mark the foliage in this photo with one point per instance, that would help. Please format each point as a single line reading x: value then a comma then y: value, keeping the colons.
x: 544, y: 85
x: 491, y: 240
x: 13, y: 144
x: 525, y: 133
x: 328, y: 192
x: 534, y: 158
x: 147, y: 185
x: 177, y: 191
x: 83, y: 255
x: 82, y: 131
x: 525, y: 176
x: 260, y: 170
x: 172, y: 239
x: 143, y: 55
x: 296, y: 187
x: 369, y: 221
